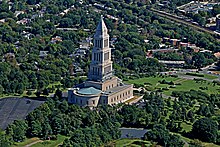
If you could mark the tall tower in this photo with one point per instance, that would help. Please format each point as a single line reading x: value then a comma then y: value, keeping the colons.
x: 101, y: 64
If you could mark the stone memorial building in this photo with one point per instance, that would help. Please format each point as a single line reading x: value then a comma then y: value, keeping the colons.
x: 102, y: 87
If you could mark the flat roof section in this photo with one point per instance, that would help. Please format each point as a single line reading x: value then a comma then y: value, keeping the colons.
x: 89, y: 91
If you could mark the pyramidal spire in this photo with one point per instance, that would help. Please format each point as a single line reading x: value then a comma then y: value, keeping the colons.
x: 101, y: 28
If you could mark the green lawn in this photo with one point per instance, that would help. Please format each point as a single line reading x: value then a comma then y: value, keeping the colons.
x: 51, y: 143
x: 186, y: 85
x: 191, y: 84
x: 151, y: 80
x: 140, y: 143
x: 130, y: 143
x: 211, y: 77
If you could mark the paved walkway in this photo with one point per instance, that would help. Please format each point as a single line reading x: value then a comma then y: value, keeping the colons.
x: 28, y: 145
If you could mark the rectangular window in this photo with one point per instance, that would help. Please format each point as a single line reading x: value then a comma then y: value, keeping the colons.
x: 99, y: 43
x: 107, y: 69
x: 93, y: 102
x: 106, y: 56
x: 105, y: 42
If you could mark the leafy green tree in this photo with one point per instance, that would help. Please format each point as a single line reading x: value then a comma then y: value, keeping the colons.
x: 17, y: 130
x: 216, y: 9
x: 4, y: 140
x: 1, y: 89
x: 175, y: 140
x: 206, y: 128
x: 58, y: 93
x: 158, y: 134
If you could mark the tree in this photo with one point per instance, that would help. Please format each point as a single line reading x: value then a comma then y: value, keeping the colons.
x: 45, y: 92
x: 31, y: 2
x: 17, y: 130
x: 175, y: 141
x: 1, y: 89
x: 20, y: 88
x: 206, y: 128
x: 4, y: 140
x: 29, y: 92
x: 58, y: 93
x: 158, y: 134
x: 216, y: 9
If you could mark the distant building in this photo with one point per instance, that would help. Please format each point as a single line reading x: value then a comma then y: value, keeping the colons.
x: 102, y: 87
x: 218, y: 22
x: 56, y: 39
x: 43, y: 54
x: 173, y: 63
x: 217, y: 55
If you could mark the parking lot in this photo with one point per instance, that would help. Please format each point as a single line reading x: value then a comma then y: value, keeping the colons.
x: 16, y: 108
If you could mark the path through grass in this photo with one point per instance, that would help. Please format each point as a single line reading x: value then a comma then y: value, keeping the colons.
x: 26, y: 142
x: 51, y: 143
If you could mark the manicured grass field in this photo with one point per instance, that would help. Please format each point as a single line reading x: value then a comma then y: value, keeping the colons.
x: 211, y: 77
x: 153, y: 84
x: 140, y: 143
x: 51, y: 143
x: 131, y: 143
x: 151, y: 80
x: 191, y: 84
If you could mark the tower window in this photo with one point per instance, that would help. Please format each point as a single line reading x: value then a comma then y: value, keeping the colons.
x: 106, y: 56
x: 107, y: 69
x: 105, y: 42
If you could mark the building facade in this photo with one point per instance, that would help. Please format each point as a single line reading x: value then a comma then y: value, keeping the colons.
x: 102, y: 87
